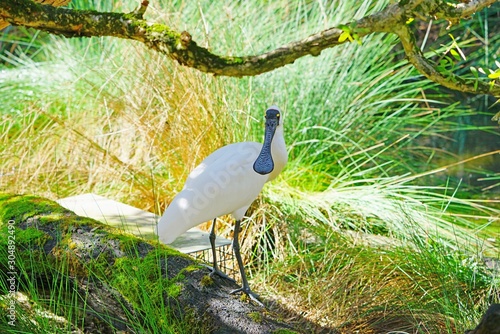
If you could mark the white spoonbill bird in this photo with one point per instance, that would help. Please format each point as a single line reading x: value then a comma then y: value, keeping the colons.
x: 227, y: 182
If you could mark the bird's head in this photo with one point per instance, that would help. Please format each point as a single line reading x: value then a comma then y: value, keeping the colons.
x: 273, y: 117
x: 264, y: 163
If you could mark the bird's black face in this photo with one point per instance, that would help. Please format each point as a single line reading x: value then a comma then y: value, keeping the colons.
x: 264, y: 163
x: 272, y: 115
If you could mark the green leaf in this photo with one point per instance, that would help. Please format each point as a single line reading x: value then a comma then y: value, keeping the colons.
x: 494, y: 75
x: 455, y: 54
x: 357, y: 38
x: 345, y: 35
x: 474, y: 71
x: 345, y: 28
x: 445, y: 62
x: 450, y: 60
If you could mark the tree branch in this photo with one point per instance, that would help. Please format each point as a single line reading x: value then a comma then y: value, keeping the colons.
x: 55, y: 3
x: 449, y: 80
x: 455, y: 12
x: 181, y: 47
x: 178, y: 46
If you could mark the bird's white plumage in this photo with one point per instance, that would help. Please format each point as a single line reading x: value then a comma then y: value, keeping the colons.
x: 224, y: 183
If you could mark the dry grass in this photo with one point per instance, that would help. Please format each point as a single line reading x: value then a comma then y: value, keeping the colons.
x: 142, y: 132
x: 373, y: 290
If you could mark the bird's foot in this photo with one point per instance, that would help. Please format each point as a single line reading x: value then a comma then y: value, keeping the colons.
x: 218, y: 272
x: 252, y: 295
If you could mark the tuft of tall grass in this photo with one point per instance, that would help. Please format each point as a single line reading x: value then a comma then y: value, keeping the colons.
x: 153, y: 126
x: 352, y: 286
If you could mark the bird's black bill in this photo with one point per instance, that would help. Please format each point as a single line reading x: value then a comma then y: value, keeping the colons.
x: 264, y: 163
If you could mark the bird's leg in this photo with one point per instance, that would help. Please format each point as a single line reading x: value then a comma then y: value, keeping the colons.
x: 245, y: 287
x: 215, y: 267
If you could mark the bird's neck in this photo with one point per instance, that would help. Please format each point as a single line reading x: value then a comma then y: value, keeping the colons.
x: 278, y: 152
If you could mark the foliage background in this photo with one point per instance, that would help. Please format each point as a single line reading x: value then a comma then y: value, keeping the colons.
x: 374, y: 150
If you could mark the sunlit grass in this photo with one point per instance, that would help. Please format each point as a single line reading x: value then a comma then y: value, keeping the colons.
x: 341, y: 281
x: 364, y: 211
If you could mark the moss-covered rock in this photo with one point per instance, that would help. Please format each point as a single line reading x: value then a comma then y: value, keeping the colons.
x: 104, y: 280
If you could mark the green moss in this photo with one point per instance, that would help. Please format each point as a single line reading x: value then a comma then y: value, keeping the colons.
x: 141, y: 281
x: 192, y: 268
x: 174, y: 290
x: 161, y: 29
x: 255, y: 316
x: 31, y: 235
x: 244, y: 297
x: 206, y: 281
x: 130, y: 16
x: 164, y: 38
x: 62, y: 215
x: 72, y: 245
x: 138, y: 274
x: 99, y: 267
x: 235, y: 60
x: 20, y: 207
x: 284, y: 331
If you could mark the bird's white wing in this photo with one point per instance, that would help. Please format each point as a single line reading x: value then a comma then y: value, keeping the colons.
x: 223, y: 183
x: 227, y: 159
